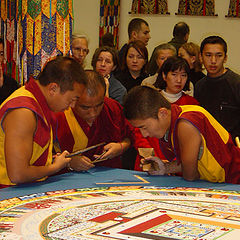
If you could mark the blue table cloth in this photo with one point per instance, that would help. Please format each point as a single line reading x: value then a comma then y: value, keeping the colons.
x: 106, y: 177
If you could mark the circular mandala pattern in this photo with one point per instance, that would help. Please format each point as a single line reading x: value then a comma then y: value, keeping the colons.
x: 122, y: 213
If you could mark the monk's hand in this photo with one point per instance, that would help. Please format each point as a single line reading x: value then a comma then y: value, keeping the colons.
x: 60, y: 160
x: 80, y: 163
x: 153, y: 165
x: 112, y: 150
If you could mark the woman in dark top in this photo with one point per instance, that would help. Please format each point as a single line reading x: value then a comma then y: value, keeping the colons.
x: 135, y: 60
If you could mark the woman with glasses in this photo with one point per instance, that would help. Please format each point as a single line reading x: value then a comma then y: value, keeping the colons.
x: 79, y: 48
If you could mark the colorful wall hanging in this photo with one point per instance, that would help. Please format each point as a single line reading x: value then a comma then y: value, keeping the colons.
x: 196, y: 7
x: 8, y: 31
x: 34, y: 32
x: 109, y: 19
x: 233, y: 10
x: 149, y: 7
x: 44, y: 31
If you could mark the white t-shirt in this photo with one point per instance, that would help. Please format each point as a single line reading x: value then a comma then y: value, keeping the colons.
x: 170, y: 96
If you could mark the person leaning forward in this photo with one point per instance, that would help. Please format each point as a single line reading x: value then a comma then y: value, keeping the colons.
x: 26, y: 135
x: 94, y: 119
x: 203, y: 149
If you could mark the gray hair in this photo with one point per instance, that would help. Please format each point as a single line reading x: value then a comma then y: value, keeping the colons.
x: 76, y: 36
x: 152, y: 66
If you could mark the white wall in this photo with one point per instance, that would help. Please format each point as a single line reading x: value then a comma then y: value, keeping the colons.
x: 86, y: 21
x: 86, y: 13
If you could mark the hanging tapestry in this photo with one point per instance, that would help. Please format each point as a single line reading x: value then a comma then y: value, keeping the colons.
x: 44, y: 31
x: 233, y: 10
x: 9, y: 34
x: 196, y: 7
x: 149, y: 7
x: 109, y: 19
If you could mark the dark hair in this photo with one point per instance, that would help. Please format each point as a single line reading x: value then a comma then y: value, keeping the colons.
x: 108, y: 40
x: 140, y: 48
x: 152, y: 66
x: 214, y: 40
x: 180, y: 30
x: 1, y: 41
x: 94, y: 80
x: 111, y: 50
x: 135, y: 25
x: 170, y: 65
x: 64, y: 71
x: 143, y: 102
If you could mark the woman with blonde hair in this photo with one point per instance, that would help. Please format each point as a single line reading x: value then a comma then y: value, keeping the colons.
x: 191, y: 52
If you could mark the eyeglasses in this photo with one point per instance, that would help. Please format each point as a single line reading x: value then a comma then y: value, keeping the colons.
x: 84, y: 50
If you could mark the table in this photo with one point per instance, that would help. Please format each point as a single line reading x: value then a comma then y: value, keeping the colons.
x: 120, y: 204
x: 102, y: 176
